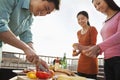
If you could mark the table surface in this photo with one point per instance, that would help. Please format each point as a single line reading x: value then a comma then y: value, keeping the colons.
x: 22, y: 76
x: 25, y: 78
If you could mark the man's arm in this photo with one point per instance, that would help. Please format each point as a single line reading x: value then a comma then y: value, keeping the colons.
x: 30, y: 44
x: 9, y: 38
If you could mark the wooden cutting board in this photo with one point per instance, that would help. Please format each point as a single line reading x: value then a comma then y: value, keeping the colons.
x: 26, y: 78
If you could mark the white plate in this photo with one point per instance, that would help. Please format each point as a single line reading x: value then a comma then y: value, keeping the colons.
x: 17, y: 71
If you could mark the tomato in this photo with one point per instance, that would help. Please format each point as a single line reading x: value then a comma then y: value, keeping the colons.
x: 42, y: 75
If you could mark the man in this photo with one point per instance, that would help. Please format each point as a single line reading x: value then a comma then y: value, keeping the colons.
x: 15, y: 20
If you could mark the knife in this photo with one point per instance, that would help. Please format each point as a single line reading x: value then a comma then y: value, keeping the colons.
x: 41, y: 68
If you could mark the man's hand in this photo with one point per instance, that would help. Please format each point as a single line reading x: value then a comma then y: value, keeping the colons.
x: 33, y: 58
x: 42, y: 66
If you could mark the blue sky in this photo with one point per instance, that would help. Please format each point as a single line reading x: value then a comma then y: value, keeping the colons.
x: 54, y: 34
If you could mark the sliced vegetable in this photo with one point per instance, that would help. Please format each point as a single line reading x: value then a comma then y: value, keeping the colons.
x: 42, y: 75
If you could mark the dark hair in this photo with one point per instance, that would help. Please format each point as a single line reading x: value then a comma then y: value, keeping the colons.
x: 111, y: 4
x: 56, y: 3
x: 85, y: 14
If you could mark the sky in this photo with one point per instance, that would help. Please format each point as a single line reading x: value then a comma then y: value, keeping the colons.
x: 54, y: 34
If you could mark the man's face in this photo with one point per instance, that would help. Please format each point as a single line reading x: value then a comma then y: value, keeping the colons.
x: 41, y: 7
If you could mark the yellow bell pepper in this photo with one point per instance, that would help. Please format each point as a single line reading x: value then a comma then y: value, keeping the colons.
x: 31, y: 75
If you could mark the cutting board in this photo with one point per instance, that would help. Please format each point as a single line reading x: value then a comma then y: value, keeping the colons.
x: 26, y: 78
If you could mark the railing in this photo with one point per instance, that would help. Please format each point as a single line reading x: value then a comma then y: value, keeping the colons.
x: 15, y: 60
x: 18, y: 61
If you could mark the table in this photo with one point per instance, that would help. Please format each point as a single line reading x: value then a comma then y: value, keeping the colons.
x: 25, y: 78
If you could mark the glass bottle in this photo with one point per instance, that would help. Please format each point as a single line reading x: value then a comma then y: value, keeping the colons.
x: 64, y: 62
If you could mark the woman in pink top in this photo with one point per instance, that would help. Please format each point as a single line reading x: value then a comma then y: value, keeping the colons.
x: 111, y: 39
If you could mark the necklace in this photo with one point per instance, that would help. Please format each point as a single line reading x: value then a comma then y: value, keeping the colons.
x: 83, y: 31
x: 111, y: 16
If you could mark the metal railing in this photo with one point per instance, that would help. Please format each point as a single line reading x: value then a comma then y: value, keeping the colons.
x: 13, y: 60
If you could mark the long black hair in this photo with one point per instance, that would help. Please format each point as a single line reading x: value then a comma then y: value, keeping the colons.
x: 111, y: 4
x: 85, y: 14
